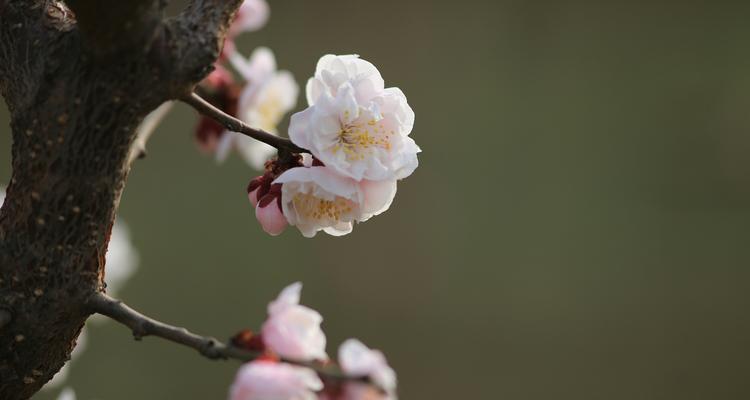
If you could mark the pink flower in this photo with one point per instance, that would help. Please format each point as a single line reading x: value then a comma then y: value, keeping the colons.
x: 356, y: 359
x: 251, y: 16
x: 363, y: 391
x: 269, y: 380
x: 293, y: 331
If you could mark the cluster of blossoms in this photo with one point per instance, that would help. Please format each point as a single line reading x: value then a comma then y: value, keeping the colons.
x: 357, y: 132
x: 292, y: 332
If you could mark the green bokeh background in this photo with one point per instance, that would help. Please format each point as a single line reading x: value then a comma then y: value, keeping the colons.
x: 579, y: 227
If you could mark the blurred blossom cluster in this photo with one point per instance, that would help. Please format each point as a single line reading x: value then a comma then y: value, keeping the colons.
x: 256, y: 92
x: 292, y: 332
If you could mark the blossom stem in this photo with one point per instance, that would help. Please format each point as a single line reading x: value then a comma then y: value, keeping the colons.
x: 209, y: 347
x: 236, y: 125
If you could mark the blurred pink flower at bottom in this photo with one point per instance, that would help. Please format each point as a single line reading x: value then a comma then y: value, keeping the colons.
x: 269, y: 380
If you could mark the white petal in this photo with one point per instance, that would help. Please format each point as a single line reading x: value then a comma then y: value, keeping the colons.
x: 299, y: 127
x: 290, y: 295
x: 378, y: 197
x: 225, y: 145
x: 67, y: 394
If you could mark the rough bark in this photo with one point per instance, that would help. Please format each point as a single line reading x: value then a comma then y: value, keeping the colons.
x: 77, y: 90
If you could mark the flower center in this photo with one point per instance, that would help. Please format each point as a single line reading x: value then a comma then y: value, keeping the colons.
x: 313, y: 207
x: 270, y: 113
x: 359, y: 139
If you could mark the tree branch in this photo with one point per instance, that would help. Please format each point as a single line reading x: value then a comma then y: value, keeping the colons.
x: 112, y: 26
x: 209, y: 347
x: 202, y: 26
x: 236, y: 125
x: 146, y: 129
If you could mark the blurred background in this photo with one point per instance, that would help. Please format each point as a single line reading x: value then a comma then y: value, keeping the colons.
x: 579, y: 227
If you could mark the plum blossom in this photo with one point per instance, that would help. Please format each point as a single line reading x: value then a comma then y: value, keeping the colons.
x: 354, y: 125
x: 293, y: 331
x: 317, y: 198
x: 270, y: 380
x: 356, y: 359
x: 268, y: 95
x: 251, y: 16
x: 67, y: 394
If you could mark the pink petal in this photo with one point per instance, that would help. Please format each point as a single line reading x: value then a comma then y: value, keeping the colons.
x: 271, y: 218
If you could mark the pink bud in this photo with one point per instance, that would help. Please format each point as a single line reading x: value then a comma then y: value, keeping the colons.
x: 253, y: 197
x: 270, y: 216
x: 254, y: 188
x: 219, y: 78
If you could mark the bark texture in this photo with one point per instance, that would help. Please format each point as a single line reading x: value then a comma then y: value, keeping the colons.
x: 78, y: 79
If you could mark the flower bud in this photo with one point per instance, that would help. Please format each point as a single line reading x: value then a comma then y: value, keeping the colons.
x: 268, y: 212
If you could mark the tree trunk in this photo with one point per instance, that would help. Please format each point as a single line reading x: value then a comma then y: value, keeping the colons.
x: 75, y: 102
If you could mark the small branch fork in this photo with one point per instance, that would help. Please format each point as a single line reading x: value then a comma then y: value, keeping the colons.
x: 209, y: 347
x: 236, y: 125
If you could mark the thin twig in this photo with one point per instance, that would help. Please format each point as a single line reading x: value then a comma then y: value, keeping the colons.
x: 147, y: 128
x: 236, y: 125
x: 209, y: 347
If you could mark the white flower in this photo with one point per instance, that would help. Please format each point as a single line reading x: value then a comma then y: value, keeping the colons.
x: 356, y: 359
x: 316, y: 198
x: 293, y: 331
x: 67, y: 394
x: 267, y: 380
x: 2, y: 196
x: 363, y: 391
x: 333, y: 71
x: 355, y: 125
x: 268, y: 96
x: 251, y: 16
